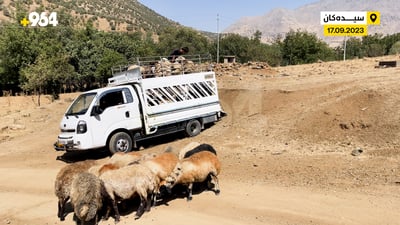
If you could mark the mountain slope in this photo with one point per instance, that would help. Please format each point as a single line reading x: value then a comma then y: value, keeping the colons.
x: 118, y: 15
x: 280, y: 21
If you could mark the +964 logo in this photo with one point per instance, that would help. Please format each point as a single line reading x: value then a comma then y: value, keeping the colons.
x: 42, y: 19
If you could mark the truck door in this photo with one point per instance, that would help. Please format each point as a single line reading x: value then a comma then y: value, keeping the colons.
x: 117, y: 109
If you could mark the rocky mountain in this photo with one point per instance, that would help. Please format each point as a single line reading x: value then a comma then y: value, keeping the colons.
x: 279, y: 21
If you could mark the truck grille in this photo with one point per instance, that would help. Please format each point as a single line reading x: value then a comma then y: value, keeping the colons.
x: 68, y: 130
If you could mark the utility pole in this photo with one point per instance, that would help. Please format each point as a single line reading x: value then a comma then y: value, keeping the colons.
x: 217, y: 38
x: 344, y: 48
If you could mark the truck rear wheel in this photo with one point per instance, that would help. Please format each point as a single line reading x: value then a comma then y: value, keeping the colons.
x: 120, y: 142
x: 193, y: 128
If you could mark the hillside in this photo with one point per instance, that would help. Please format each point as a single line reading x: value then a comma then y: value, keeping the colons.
x: 123, y: 16
x: 280, y: 21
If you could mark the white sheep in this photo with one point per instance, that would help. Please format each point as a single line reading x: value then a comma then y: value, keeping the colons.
x: 123, y: 159
x: 197, y: 168
x: 126, y: 182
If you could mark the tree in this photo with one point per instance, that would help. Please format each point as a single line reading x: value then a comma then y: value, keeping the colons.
x: 373, y: 45
x: 17, y: 49
x: 395, y: 49
x: 109, y: 59
x: 47, y: 73
x: 173, y: 38
x: 302, y: 47
x: 234, y: 44
x: 354, y: 48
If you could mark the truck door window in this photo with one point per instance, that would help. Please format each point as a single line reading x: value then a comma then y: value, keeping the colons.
x: 128, y: 95
x: 111, y: 99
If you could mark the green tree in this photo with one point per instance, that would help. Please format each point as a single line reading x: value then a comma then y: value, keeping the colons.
x: 173, y: 38
x: 17, y: 50
x: 47, y: 73
x: 234, y: 44
x: 302, y: 47
x: 354, y: 48
x: 389, y: 41
x: 109, y: 59
x: 373, y: 45
x: 395, y: 49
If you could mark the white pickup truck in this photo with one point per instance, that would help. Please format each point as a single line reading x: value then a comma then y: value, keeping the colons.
x: 132, y: 108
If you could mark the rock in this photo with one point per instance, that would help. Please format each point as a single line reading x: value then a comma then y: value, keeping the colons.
x: 357, y: 152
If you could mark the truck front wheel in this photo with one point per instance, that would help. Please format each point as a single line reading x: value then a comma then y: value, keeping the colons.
x: 193, y: 128
x: 120, y: 142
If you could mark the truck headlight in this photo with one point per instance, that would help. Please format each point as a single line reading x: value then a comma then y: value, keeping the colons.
x: 81, y: 128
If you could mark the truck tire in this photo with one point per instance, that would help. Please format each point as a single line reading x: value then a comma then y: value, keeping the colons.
x: 120, y: 142
x: 193, y: 128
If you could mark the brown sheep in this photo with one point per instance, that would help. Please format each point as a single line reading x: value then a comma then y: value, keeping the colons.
x: 121, y: 159
x: 64, y: 180
x: 126, y: 182
x: 197, y: 168
x: 161, y: 165
x: 86, y: 197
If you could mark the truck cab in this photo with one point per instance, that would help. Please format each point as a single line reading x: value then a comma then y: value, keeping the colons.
x: 104, y: 112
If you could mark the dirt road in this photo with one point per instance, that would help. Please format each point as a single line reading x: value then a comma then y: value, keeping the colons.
x: 286, y: 148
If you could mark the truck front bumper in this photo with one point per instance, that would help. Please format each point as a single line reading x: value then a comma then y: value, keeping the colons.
x: 65, y: 144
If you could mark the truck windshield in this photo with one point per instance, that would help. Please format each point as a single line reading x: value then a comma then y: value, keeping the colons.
x: 81, y: 104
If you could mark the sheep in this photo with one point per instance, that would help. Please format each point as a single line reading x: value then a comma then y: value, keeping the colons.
x: 126, y: 182
x: 64, y: 180
x: 197, y: 168
x: 121, y: 159
x: 187, y: 148
x: 87, y: 197
x: 202, y: 147
x: 161, y: 165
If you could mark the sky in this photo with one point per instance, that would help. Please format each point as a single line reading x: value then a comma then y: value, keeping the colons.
x: 202, y: 14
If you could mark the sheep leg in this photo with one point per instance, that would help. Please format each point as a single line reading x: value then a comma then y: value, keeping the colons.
x: 214, y: 181
x: 141, y: 207
x: 117, y: 215
x: 61, y: 208
x: 154, y: 199
x: 151, y: 197
x: 189, y: 190
x: 59, y: 212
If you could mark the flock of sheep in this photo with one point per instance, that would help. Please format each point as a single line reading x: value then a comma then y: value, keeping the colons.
x: 95, y: 187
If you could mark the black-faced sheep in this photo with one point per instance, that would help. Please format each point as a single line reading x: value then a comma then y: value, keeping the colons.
x: 64, y: 180
x: 200, y: 148
x: 187, y: 148
x: 87, y: 197
x: 197, y: 168
x: 126, y: 182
